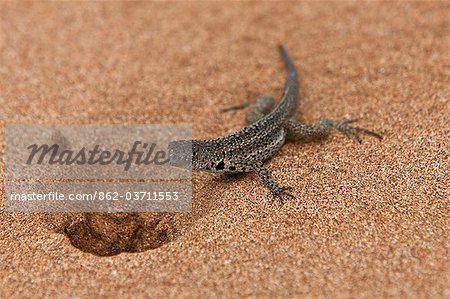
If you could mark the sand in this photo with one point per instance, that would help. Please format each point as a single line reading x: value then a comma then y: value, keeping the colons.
x: 369, y: 220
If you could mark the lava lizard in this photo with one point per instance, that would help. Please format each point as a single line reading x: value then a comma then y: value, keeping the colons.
x: 268, y: 128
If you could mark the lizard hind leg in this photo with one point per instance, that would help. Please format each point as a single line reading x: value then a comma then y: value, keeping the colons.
x: 321, y: 129
x: 298, y: 131
x: 345, y: 127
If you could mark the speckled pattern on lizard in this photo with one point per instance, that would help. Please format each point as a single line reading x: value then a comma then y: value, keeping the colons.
x: 268, y: 129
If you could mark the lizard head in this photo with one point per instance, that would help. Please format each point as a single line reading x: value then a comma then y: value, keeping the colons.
x: 194, y: 154
x: 180, y: 153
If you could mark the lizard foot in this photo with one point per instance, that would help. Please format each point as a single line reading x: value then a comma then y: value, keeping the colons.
x: 344, y: 126
x: 236, y: 108
x: 279, y: 192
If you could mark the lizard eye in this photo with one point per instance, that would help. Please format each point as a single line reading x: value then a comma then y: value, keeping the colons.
x: 220, y: 165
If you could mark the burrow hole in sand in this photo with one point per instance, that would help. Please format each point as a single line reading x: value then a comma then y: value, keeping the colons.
x: 107, y: 234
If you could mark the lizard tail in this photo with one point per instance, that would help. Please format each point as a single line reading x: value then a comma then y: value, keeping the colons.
x: 292, y: 71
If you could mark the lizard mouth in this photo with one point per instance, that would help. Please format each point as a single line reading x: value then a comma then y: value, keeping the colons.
x: 180, y: 153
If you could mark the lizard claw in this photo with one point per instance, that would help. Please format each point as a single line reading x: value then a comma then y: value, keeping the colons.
x: 280, y: 193
x: 349, y: 130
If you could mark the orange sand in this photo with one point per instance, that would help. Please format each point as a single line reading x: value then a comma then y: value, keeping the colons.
x: 370, y: 220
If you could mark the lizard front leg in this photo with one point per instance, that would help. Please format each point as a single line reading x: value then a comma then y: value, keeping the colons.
x: 276, y: 190
x: 263, y: 106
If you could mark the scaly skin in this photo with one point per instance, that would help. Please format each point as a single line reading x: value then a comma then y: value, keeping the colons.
x: 246, y: 150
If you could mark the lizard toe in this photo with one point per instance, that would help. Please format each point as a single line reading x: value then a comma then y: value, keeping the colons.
x: 351, y: 131
x: 280, y: 193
